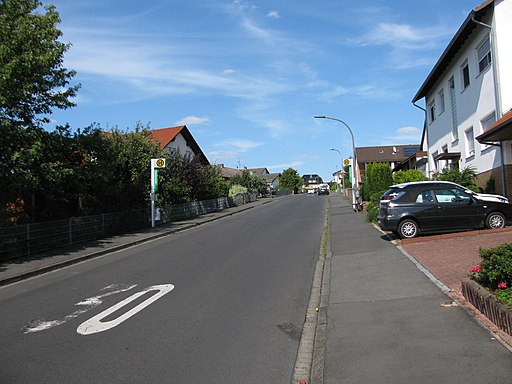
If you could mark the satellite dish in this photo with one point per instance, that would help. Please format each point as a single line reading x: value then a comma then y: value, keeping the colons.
x: 394, y: 150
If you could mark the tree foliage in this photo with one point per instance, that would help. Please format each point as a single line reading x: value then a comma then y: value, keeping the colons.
x: 465, y: 177
x: 62, y: 174
x: 290, y: 179
x: 33, y: 80
x: 377, y: 180
x: 253, y: 183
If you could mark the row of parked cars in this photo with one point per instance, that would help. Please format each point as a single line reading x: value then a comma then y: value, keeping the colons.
x: 411, y: 209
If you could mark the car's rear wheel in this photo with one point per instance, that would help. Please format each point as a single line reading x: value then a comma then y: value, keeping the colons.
x: 408, y: 229
x: 495, y: 220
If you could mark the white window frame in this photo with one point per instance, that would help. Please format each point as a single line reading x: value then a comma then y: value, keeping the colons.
x: 434, y: 161
x: 442, y: 107
x: 432, y: 111
x: 485, y: 123
x: 463, y: 67
x: 487, y: 56
x: 469, y: 136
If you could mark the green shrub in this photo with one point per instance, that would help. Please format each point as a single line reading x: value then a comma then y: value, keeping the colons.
x: 495, y: 271
x: 237, y: 190
x: 465, y: 177
x: 372, y: 212
x: 408, y: 176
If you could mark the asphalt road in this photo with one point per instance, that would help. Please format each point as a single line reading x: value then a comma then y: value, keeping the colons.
x: 220, y: 303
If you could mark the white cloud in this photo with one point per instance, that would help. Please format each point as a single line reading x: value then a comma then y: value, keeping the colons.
x: 241, y: 145
x: 190, y: 120
x: 278, y: 128
x: 404, y: 135
x: 273, y: 14
x: 283, y: 166
x: 220, y: 156
x: 403, y: 36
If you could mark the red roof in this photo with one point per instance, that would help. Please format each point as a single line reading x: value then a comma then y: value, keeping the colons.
x: 165, y: 135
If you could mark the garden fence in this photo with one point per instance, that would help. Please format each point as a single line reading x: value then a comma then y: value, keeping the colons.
x: 29, y: 239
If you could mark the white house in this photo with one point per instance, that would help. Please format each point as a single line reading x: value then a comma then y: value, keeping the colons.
x: 178, y: 140
x: 467, y: 92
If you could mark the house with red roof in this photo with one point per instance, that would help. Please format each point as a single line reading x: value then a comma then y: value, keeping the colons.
x: 467, y: 96
x: 178, y: 139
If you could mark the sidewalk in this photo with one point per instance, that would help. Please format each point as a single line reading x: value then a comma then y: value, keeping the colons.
x: 24, y: 268
x: 388, y: 323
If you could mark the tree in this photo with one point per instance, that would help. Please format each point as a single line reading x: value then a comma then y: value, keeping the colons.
x: 253, y: 183
x: 290, y: 179
x: 32, y: 82
x: 32, y: 77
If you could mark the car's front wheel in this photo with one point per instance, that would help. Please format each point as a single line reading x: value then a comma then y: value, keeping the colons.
x: 495, y: 220
x: 408, y: 229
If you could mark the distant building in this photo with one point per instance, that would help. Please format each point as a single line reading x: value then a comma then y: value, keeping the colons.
x: 311, y: 182
x: 395, y: 155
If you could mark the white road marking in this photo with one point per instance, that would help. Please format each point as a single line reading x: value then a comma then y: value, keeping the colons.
x: 89, y: 303
x: 95, y: 325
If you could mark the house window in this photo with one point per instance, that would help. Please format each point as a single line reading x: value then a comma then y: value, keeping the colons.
x: 432, y: 111
x: 465, y: 75
x: 436, y: 163
x: 470, y: 142
x: 486, y: 123
x: 453, y: 103
x: 484, y: 55
x: 171, y: 150
x: 441, y: 101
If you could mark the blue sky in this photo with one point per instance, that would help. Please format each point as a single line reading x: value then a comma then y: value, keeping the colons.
x: 247, y: 77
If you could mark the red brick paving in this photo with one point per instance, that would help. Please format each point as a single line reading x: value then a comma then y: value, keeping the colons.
x: 449, y: 258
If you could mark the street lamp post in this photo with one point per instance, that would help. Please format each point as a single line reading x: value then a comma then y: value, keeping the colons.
x: 355, y: 178
x: 341, y: 171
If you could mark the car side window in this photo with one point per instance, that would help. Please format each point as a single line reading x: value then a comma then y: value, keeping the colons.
x: 451, y: 196
x: 425, y: 197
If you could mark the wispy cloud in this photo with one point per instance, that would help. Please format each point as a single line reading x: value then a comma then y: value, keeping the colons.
x: 273, y: 14
x: 409, y: 45
x: 192, y: 120
x: 280, y: 167
x: 240, y: 145
x: 403, y: 36
x: 404, y: 135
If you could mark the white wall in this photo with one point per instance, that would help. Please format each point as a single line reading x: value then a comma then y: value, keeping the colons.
x: 180, y: 144
x: 478, y: 100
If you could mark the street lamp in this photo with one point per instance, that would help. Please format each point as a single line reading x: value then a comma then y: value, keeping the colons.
x: 341, y: 171
x: 355, y: 178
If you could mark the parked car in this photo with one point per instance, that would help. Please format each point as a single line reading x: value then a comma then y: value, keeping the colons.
x: 323, y: 189
x: 415, y: 208
x: 480, y: 196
